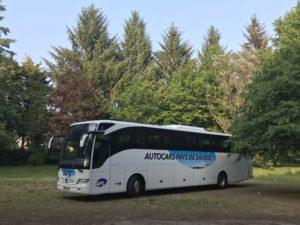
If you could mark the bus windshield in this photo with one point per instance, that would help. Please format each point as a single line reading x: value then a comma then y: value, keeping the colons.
x: 74, y: 156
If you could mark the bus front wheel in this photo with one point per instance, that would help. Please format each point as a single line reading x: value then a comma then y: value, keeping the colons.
x: 222, y: 180
x: 135, y: 186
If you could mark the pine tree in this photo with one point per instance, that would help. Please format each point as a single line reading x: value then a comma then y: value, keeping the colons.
x: 33, y: 88
x: 138, y: 68
x: 94, y: 51
x: 174, y: 53
x: 8, y: 68
x: 4, y: 42
x: 211, y: 48
x: 211, y: 52
x: 256, y: 36
x: 136, y: 49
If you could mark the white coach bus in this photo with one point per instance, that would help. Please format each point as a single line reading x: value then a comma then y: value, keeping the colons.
x: 108, y: 156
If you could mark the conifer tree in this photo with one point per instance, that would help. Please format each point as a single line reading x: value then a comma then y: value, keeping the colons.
x: 138, y: 68
x: 94, y: 51
x: 33, y: 91
x: 211, y: 48
x: 174, y: 52
x: 211, y: 52
x: 256, y: 36
x: 4, y: 42
x: 8, y: 68
x: 136, y: 49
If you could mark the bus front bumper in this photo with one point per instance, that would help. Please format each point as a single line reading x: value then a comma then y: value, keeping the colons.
x: 83, y: 189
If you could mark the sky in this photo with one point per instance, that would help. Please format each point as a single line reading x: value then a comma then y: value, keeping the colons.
x: 37, y: 25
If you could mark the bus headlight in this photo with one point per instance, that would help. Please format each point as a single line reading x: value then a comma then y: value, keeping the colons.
x: 83, y: 181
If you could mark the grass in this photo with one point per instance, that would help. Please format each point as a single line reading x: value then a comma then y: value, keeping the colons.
x: 290, y: 174
x: 29, y: 194
x: 47, y: 171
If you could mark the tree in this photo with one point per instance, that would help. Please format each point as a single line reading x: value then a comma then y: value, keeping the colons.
x: 137, y: 67
x: 184, y: 99
x: 269, y: 121
x: 211, y: 47
x: 140, y: 103
x: 32, y: 109
x: 136, y: 51
x: 8, y: 113
x: 235, y: 73
x: 8, y: 68
x: 72, y: 100
x: 256, y: 36
x: 4, y: 42
x: 211, y: 51
x: 94, y: 50
x: 174, y: 53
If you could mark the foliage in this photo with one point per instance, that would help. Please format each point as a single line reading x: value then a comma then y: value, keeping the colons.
x: 269, y: 123
x: 138, y: 103
x: 8, y: 115
x: 256, y: 36
x: 184, y: 99
x: 136, y: 52
x: 138, y: 67
x: 4, y: 42
x: 13, y: 157
x: 211, y: 51
x: 72, y: 100
x: 94, y: 51
x: 33, y: 85
x: 37, y: 158
x: 173, y: 54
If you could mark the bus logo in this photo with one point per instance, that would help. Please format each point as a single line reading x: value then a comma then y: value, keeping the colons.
x: 68, y: 172
x: 101, y: 182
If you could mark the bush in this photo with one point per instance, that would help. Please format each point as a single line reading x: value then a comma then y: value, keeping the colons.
x: 37, y: 158
x: 13, y: 157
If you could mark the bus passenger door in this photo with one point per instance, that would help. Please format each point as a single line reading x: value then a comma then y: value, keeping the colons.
x: 100, y: 173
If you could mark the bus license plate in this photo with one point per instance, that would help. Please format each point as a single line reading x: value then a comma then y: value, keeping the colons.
x: 66, y: 188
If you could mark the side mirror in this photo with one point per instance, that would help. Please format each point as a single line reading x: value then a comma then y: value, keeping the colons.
x: 50, y: 142
x: 82, y: 140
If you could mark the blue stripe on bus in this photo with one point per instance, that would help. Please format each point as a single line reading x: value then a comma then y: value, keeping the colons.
x: 193, y: 158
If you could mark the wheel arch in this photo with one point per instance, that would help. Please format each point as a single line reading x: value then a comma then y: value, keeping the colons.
x: 140, y: 176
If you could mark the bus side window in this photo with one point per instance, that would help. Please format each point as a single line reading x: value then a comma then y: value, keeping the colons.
x: 142, y: 138
x: 153, y: 139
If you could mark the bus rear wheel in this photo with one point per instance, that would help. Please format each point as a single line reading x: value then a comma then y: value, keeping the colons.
x: 135, y: 186
x: 222, y: 180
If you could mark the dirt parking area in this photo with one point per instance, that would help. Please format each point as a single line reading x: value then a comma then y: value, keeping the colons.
x: 252, y: 202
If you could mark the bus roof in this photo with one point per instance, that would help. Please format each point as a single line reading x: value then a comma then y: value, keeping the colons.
x: 166, y: 127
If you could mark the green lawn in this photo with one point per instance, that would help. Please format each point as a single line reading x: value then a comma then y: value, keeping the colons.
x: 28, y: 171
x: 290, y: 174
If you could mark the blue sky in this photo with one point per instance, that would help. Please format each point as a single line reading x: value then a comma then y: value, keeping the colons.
x: 38, y: 25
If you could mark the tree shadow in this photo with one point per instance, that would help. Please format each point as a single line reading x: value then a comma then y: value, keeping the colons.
x: 161, y: 192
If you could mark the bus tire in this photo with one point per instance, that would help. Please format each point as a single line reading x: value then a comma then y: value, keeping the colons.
x: 222, y: 180
x: 135, y: 186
